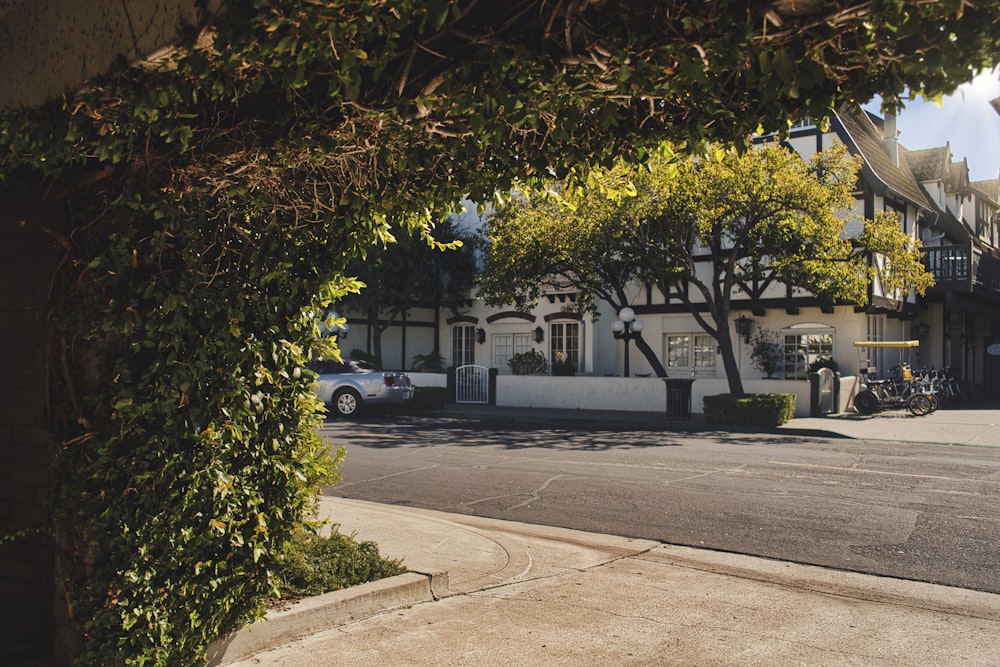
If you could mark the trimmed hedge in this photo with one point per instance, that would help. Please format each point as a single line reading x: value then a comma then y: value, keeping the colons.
x: 751, y: 410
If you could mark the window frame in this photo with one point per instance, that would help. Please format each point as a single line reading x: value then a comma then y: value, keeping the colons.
x: 558, y: 339
x: 797, y: 370
x: 463, y: 345
x: 698, y: 345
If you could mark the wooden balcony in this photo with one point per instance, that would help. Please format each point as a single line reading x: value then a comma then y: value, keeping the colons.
x: 963, y: 268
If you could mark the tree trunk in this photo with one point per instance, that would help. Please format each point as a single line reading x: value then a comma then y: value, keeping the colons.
x: 650, y: 355
x: 376, y: 337
x: 725, y: 341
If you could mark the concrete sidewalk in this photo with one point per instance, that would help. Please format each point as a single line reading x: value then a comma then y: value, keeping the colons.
x: 978, y: 424
x: 490, y: 592
x: 520, y: 594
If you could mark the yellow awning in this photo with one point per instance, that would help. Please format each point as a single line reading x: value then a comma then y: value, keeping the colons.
x: 887, y: 343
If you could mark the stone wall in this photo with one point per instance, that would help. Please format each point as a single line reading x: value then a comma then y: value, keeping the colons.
x: 49, y: 48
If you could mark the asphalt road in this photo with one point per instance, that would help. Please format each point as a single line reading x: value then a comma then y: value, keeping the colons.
x: 914, y: 511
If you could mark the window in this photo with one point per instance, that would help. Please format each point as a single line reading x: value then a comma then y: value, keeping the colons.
x: 691, y: 352
x: 564, y: 343
x: 507, y: 345
x: 876, y: 355
x: 463, y: 341
x: 803, y: 345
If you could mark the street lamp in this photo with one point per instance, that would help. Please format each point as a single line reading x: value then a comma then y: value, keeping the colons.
x: 626, y: 327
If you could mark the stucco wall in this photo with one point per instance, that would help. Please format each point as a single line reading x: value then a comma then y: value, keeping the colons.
x: 48, y: 47
x: 628, y: 394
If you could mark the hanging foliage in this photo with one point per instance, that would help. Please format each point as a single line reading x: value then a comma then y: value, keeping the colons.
x: 209, y: 201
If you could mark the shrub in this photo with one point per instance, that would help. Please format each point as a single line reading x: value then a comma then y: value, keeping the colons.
x: 428, y: 398
x: 314, y: 564
x: 528, y: 363
x: 752, y: 409
x: 428, y: 362
x: 357, y: 354
x: 825, y: 362
x: 765, y: 352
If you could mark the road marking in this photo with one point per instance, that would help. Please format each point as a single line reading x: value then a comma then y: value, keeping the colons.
x: 864, y: 470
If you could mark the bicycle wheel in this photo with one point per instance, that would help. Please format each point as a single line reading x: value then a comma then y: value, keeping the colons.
x: 866, y: 402
x: 919, y: 404
x: 935, y: 402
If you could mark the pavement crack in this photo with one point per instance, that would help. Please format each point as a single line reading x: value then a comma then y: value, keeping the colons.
x: 402, y: 473
x: 537, y: 493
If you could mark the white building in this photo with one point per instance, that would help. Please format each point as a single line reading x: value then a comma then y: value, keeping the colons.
x: 957, y: 222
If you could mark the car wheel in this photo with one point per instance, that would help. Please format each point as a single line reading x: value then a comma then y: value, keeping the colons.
x: 346, y: 403
x: 919, y: 404
x: 866, y: 402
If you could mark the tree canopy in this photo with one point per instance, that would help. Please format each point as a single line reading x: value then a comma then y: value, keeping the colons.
x: 702, y: 230
x: 411, y: 272
x: 207, y: 201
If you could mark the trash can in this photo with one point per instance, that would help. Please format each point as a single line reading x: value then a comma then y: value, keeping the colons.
x: 679, y: 397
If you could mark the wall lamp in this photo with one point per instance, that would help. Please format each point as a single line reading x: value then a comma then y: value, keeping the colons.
x: 480, y: 336
x: 539, y: 334
x: 920, y: 330
x: 744, y: 325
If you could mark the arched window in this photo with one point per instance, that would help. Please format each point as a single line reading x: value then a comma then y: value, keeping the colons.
x: 803, y: 345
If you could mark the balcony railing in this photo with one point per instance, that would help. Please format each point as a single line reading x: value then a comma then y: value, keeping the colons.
x: 962, y: 267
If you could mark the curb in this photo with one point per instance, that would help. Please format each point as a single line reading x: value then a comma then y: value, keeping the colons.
x: 327, y: 611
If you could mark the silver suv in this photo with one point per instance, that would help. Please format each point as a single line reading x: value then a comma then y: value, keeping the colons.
x: 347, y: 387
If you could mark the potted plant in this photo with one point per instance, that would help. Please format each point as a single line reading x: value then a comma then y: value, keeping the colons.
x: 428, y: 363
x: 561, y: 366
x: 766, y: 353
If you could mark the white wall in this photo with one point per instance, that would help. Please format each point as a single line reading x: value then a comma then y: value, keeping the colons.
x: 625, y: 394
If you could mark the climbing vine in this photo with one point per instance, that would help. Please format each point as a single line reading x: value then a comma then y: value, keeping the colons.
x: 206, y: 203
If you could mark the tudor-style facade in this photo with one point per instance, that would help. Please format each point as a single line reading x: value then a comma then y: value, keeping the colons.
x: 956, y: 221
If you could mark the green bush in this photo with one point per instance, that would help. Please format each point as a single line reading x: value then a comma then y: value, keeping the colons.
x: 428, y: 398
x: 825, y: 362
x: 751, y: 410
x: 531, y: 362
x: 428, y: 362
x: 314, y: 564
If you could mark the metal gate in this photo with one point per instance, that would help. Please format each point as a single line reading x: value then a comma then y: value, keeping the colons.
x: 472, y: 384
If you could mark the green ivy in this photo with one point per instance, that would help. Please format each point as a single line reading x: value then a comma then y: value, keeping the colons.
x: 208, y: 204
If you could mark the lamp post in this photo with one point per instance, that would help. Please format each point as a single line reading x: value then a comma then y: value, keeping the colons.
x: 626, y: 327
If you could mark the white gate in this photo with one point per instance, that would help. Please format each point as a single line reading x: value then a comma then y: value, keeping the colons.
x: 472, y: 384
x: 826, y: 392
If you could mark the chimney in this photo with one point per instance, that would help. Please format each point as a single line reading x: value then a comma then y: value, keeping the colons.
x: 889, y: 137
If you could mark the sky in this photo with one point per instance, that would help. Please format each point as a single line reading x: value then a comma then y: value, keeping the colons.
x: 965, y: 119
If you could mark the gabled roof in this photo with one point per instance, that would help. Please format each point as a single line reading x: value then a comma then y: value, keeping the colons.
x: 929, y: 164
x: 859, y: 132
x: 958, y: 177
x: 990, y: 189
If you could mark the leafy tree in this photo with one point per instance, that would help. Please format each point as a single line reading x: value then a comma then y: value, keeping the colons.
x: 206, y: 204
x: 535, y: 241
x: 761, y: 216
x: 411, y: 271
